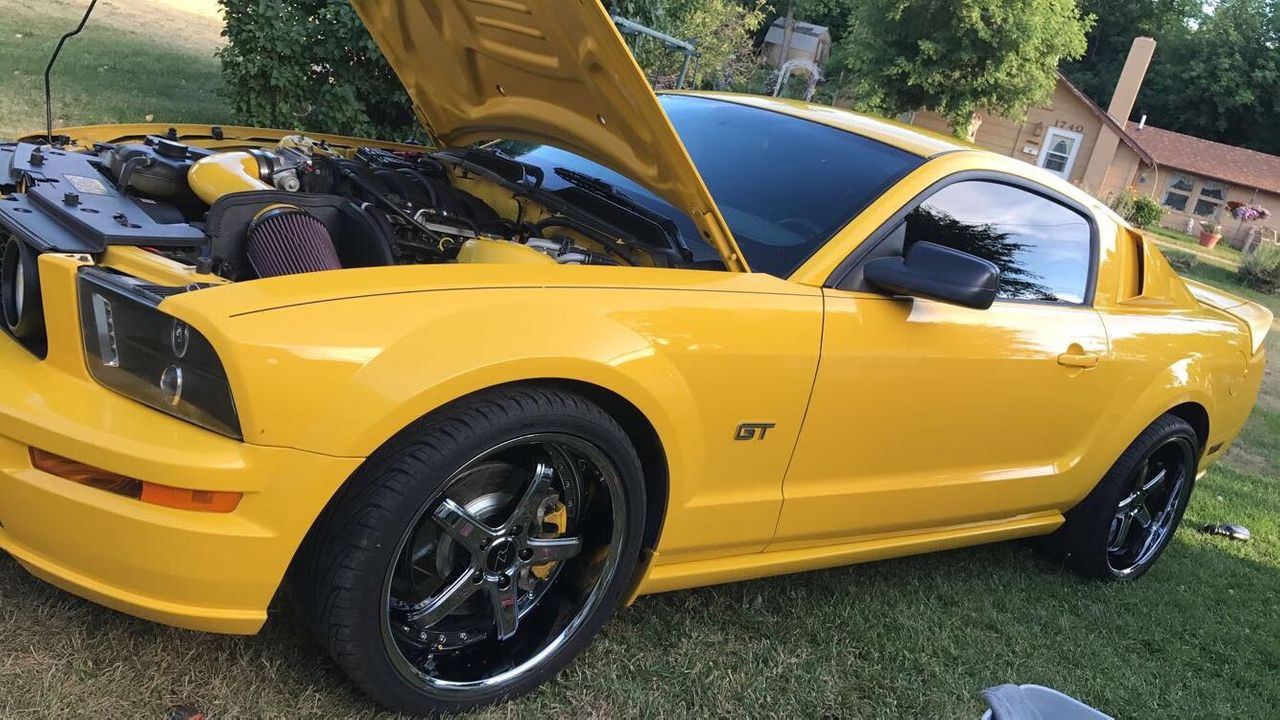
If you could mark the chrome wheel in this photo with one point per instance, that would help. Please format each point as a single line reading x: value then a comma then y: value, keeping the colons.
x: 1146, y: 516
x: 498, y: 570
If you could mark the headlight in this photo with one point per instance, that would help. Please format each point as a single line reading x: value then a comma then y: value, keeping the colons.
x: 138, y: 351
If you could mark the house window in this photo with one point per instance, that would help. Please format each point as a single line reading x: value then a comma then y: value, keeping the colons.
x: 1212, y: 195
x: 1178, y: 193
x: 1058, y: 154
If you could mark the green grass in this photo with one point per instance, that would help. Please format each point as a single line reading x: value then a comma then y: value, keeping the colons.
x: 1221, y: 251
x: 134, y: 59
x: 916, y: 637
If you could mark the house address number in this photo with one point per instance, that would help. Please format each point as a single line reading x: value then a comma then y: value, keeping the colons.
x: 1073, y: 127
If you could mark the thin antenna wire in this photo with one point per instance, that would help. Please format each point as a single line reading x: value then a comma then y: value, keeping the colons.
x: 48, y: 96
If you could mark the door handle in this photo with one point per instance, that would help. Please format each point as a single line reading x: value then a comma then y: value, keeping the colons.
x: 1078, y: 358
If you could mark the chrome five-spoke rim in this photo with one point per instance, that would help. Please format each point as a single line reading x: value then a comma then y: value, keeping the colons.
x: 498, y: 570
x: 1146, y: 516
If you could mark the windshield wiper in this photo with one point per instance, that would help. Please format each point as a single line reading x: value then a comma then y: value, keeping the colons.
x: 604, y: 190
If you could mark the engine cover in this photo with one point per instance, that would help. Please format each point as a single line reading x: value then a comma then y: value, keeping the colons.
x: 71, y: 207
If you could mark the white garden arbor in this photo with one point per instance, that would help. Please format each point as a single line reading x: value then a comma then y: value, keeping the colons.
x: 798, y: 65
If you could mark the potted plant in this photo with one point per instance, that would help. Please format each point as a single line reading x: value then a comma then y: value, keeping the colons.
x: 1247, y: 213
x: 1210, y: 233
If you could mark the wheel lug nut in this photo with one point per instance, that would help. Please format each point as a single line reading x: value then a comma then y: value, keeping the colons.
x: 503, y: 582
x: 477, y: 578
x: 526, y: 554
x: 484, y: 544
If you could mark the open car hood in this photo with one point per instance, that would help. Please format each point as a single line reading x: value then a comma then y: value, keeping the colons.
x: 546, y: 71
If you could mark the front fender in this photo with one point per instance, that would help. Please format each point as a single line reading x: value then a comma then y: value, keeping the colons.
x: 342, y: 376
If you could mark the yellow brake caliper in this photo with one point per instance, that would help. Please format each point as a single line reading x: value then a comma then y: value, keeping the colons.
x: 559, y: 519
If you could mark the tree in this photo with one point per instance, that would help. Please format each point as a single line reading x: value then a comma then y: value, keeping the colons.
x: 834, y: 15
x: 958, y: 56
x: 1218, y: 81
x: 722, y: 30
x: 1214, y: 69
x: 1118, y: 23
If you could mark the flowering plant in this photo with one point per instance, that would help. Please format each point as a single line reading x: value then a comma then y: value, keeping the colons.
x: 1250, y: 213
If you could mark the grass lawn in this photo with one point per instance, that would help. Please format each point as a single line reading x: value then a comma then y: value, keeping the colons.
x: 1221, y: 251
x: 134, y: 59
x: 918, y: 637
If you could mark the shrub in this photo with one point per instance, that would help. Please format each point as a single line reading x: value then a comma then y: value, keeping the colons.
x: 1146, y: 212
x: 309, y: 65
x: 722, y: 30
x: 1138, y: 210
x: 1261, y: 270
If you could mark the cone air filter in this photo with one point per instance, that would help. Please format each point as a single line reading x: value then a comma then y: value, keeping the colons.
x: 288, y: 241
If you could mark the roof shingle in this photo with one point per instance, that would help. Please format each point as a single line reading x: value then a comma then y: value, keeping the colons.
x: 1228, y: 163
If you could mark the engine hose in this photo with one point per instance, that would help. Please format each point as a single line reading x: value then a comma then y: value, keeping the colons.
x: 420, y: 182
x: 354, y: 177
x: 576, y: 226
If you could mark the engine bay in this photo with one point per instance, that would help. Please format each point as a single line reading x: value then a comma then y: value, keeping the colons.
x: 252, y: 211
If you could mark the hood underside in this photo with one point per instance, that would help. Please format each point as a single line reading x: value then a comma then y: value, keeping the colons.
x: 546, y: 71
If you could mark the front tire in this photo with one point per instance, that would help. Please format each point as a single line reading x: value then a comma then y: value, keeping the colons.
x: 1121, y: 528
x: 473, y: 561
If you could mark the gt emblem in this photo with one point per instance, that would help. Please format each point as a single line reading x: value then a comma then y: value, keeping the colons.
x: 748, y: 431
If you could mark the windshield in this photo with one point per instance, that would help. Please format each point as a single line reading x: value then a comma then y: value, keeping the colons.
x: 784, y: 185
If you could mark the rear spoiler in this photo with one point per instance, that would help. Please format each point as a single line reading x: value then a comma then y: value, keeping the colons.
x: 1258, y: 318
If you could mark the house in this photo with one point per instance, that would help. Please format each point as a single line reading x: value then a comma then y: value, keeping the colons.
x: 1071, y: 136
x: 1195, y: 178
x: 805, y: 41
x: 1103, y: 153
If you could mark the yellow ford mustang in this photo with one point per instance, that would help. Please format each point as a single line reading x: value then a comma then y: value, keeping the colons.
x: 592, y: 344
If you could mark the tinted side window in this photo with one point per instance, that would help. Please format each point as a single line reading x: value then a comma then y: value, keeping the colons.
x: 785, y: 185
x: 1041, y: 247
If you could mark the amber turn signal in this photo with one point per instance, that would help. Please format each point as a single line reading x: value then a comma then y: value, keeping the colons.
x: 217, y: 501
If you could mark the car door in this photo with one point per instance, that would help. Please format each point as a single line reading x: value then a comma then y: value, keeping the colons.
x: 927, y: 415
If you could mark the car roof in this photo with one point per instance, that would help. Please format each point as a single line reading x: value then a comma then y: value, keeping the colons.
x: 905, y: 137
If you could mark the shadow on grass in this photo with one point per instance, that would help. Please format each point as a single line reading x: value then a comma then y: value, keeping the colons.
x: 913, y: 637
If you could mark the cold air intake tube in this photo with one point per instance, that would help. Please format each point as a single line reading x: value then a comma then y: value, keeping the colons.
x: 282, y: 239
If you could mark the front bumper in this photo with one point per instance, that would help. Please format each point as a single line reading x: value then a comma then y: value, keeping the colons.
x: 198, y: 570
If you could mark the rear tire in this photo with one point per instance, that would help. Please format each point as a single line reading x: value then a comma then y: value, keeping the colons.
x: 1121, y: 528
x: 473, y: 560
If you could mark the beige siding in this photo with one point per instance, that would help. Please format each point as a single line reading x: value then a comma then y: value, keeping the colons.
x: 1023, y: 140
x: 1123, y: 173
x: 996, y: 134
x: 1233, y: 231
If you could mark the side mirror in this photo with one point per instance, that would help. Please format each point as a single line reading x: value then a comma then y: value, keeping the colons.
x: 938, y: 273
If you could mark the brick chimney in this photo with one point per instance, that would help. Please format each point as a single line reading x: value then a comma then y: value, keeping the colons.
x: 1130, y: 82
